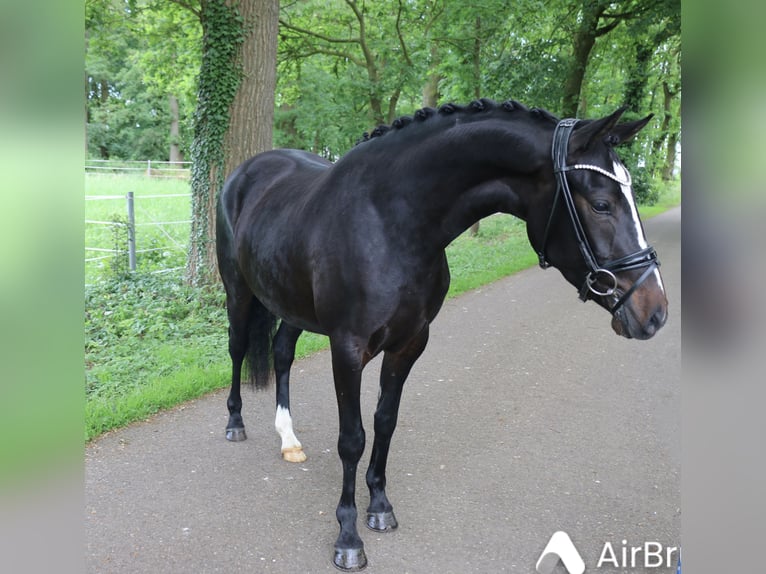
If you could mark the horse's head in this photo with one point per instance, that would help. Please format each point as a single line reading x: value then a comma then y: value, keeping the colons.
x: 592, y: 233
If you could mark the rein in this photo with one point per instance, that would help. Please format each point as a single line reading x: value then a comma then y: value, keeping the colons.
x: 604, y: 271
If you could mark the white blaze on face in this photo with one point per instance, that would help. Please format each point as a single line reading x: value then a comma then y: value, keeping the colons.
x: 622, y: 173
x: 284, y: 425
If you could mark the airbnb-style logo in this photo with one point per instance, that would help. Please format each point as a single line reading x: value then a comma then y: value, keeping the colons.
x: 645, y: 555
x: 560, y: 547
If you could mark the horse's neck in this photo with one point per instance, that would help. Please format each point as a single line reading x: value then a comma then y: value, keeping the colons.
x: 454, y: 183
x: 480, y: 201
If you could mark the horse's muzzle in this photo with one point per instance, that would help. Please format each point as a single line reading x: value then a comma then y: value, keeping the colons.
x: 636, y: 325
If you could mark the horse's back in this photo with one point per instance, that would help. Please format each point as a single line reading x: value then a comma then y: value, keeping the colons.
x: 285, y: 173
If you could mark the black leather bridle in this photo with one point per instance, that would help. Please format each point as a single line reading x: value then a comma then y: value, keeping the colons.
x: 597, y: 272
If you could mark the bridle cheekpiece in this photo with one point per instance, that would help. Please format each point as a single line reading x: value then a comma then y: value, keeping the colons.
x: 603, y: 272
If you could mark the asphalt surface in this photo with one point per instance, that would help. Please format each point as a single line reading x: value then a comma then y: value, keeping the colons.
x: 526, y: 415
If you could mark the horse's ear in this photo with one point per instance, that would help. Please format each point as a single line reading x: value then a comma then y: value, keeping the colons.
x: 622, y: 133
x: 594, y: 130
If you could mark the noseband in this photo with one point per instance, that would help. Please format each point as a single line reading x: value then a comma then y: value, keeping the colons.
x: 597, y: 272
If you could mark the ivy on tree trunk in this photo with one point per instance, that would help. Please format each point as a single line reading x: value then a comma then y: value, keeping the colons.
x: 219, y: 78
x: 235, y: 111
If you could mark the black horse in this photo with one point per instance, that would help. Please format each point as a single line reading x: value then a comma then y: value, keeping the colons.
x: 355, y: 250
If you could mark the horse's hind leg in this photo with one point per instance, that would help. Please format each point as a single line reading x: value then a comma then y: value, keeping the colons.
x: 396, y: 367
x: 284, y: 353
x: 238, y: 303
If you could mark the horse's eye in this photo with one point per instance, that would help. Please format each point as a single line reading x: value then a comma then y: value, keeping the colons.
x: 601, y: 206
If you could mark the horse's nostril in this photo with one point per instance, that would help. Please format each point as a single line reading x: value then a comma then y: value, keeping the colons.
x: 653, y: 324
x: 657, y: 319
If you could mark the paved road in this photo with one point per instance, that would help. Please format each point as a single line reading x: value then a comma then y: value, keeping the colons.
x: 526, y: 415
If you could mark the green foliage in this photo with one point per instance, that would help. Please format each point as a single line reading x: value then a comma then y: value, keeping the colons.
x: 171, y: 65
x: 520, y: 50
x: 136, y: 56
x: 369, y: 53
x: 119, y: 264
x: 645, y: 187
x: 346, y: 65
x: 140, y: 330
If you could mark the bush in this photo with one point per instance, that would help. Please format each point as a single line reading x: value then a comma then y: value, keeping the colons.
x: 645, y: 187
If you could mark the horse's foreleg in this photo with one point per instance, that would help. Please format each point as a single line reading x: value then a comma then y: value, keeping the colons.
x: 284, y: 353
x: 347, y: 368
x: 396, y: 367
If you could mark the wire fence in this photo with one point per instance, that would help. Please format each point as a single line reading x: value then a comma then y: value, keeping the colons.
x: 150, y: 168
x: 144, y: 235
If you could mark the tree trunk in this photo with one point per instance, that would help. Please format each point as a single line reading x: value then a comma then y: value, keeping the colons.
x: 666, y: 139
x: 431, y: 88
x: 393, y: 101
x: 476, y: 58
x: 252, y: 112
x: 670, y: 157
x: 582, y: 43
x: 286, y: 124
x: 175, y: 149
x: 238, y: 74
x: 476, y: 61
x: 672, y: 143
x: 638, y: 77
x: 104, y: 91
x: 373, y: 74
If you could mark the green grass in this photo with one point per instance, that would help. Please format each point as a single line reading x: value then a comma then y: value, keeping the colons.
x: 153, y: 343
x: 500, y: 249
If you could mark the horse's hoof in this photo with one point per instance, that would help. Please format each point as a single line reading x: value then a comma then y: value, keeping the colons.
x: 293, y: 454
x: 349, y: 559
x: 236, y: 434
x: 381, y: 521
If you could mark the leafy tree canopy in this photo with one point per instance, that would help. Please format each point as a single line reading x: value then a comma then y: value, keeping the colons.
x: 345, y: 66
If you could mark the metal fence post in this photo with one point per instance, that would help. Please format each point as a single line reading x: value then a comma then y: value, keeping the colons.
x: 131, y: 233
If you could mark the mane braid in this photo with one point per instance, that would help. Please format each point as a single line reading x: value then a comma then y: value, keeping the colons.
x: 476, y: 106
x: 544, y: 114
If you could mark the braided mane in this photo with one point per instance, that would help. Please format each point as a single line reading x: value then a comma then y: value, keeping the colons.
x: 476, y: 106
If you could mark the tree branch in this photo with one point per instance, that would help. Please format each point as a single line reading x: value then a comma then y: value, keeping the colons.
x: 435, y: 16
x: 392, y: 102
x: 372, y: 69
x: 317, y: 35
x: 401, y: 38
x: 622, y: 15
x: 188, y: 5
x: 608, y: 28
x: 328, y: 52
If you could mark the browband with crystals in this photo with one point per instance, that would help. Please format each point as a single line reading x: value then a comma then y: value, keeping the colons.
x: 600, y: 170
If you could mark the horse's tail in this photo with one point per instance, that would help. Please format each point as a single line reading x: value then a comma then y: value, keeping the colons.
x: 261, y: 327
x: 261, y: 323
